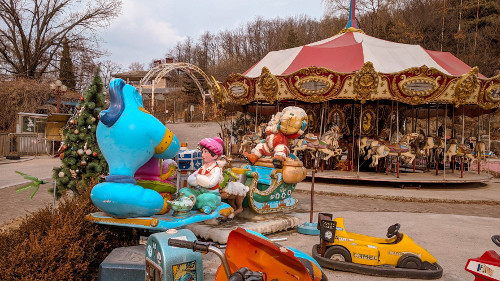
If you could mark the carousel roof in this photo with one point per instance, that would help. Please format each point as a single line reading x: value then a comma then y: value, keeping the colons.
x: 349, y: 51
x: 353, y: 65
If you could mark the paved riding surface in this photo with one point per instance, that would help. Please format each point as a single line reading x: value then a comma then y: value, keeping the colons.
x: 453, y: 222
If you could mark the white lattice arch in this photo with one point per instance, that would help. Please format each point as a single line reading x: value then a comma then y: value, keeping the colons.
x: 158, y: 72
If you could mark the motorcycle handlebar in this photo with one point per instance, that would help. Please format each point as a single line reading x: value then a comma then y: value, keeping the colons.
x: 197, y: 246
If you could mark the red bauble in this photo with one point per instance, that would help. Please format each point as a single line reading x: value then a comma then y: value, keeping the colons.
x: 61, y: 156
x: 64, y: 147
x: 83, y: 163
x: 94, y: 154
x: 81, y: 98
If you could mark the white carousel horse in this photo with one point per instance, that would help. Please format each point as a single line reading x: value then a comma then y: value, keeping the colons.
x: 395, y: 149
x: 301, y: 144
x: 430, y: 144
x: 330, y: 138
x: 455, y: 149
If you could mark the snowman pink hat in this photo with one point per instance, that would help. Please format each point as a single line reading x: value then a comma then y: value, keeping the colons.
x: 213, y: 144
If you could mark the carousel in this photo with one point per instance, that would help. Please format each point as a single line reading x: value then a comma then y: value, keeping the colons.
x: 377, y: 110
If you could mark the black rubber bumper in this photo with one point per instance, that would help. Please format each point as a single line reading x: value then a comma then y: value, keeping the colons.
x: 380, y: 270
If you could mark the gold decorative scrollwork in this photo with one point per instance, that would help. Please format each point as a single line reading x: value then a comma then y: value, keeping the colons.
x: 493, y: 93
x: 365, y: 82
x: 466, y: 86
x: 268, y: 85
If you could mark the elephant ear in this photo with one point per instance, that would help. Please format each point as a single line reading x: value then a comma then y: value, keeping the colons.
x: 115, y: 110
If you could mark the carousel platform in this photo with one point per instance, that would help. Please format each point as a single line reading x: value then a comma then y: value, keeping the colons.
x: 405, y: 177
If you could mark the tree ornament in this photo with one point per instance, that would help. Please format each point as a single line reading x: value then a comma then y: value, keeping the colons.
x: 76, y: 131
x: 80, y: 152
x: 89, y: 127
x: 61, y: 156
x: 88, y: 151
x: 73, y: 173
x: 94, y: 154
x: 61, y: 174
x: 83, y: 163
x: 93, y: 119
x: 77, y: 171
x: 77, y: 108
x: 64, y: 147
x: 81, y: 98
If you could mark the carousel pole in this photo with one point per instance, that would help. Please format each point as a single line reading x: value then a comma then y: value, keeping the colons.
x: 359, y: 137
x: 353, y: 126
x: 397, y: 121
x: 444, y: 149
x: 428, y: 120
x: 377, y: 116
x: 436, y: 156
x: 478, y: 139
x: 312, y: 228
x: 256, y: 119
x: 390, y: 127
x: 463, y: 124
x: 453, y: 122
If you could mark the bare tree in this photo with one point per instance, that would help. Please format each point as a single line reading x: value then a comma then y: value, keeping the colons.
x: 32, y: 31
x: 108, y: 68
x: 136, y: 66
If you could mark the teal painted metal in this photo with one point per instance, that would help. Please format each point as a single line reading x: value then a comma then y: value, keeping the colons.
x: 172, y: 263
x: 308, y: 228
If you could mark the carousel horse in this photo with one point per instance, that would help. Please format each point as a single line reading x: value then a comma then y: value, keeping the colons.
x: 248, y: 141
x: 331, y: 138
x: 393, y: 149
x: 430, y: 144
x: 455, y: 149
x: 480, y: 150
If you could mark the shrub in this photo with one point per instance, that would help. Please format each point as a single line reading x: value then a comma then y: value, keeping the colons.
x: 60, y: 246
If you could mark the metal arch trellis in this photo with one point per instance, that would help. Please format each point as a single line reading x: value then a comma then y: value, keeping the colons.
x: 158, y: 72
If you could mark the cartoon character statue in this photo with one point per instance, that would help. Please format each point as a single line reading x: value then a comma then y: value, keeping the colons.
x: 284, y: 126
x: 204, y: 182
x: 128, y: 137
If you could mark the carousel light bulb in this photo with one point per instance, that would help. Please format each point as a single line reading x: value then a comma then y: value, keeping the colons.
x: 58, y: 83
x: 64, y: 88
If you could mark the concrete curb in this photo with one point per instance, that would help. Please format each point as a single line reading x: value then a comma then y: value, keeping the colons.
x: 401, y: 198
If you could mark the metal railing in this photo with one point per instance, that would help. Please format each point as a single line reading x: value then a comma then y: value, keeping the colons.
x: 26, y: 144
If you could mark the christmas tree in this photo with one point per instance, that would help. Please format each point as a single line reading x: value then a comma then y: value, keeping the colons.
x: 82, y: 160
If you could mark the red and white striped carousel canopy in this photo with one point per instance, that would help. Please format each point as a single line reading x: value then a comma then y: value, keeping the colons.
x: 347, y: 52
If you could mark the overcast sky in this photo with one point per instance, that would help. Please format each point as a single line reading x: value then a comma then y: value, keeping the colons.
x: 146, y: 29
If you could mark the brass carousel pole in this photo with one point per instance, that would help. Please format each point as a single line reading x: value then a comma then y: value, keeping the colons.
x: 359, y: 137
x: 397, y: 121
x: 444, y: 150
x: 463, y: 124
x: 390, y: 127
x: 376, y: 120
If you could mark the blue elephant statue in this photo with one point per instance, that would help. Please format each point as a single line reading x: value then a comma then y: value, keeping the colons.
x: 128, y: 137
